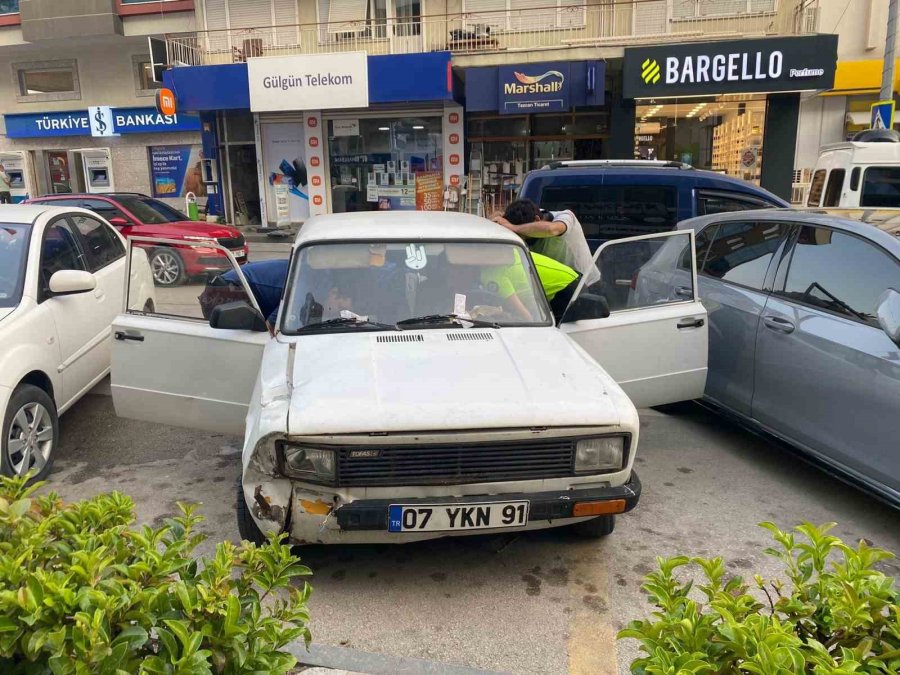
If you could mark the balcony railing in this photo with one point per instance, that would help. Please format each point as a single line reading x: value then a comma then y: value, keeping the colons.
x: 609, y: 24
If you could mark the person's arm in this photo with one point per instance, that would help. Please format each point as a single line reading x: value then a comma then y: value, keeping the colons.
x: 539, y: 229
x: 516, y: 305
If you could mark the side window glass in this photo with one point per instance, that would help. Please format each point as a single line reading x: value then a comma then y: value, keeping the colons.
x: 59, y: 251
x: 615, y: 211
x: 854, y: 179
x: 106, y: 209
x: 645, y: 273
x: 708, y: 204
x: 833, y: 190
x: 881, y: 187
x: 840, y: 273
x: 815, y: 188
x: 741, y: 252
x: 703, y: 240
x: 104, y: 246
x: 180, y: 291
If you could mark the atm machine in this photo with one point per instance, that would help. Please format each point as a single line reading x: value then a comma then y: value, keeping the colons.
x: 96, y: 164
x: 18, y: 166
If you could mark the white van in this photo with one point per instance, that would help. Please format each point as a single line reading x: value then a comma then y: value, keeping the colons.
x: 857, y: 175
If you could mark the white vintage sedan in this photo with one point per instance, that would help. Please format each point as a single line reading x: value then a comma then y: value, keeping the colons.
x: 62, y: 282
x: 399, y: 397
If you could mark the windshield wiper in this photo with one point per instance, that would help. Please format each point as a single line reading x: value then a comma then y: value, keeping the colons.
x: 346, y: 321
x: 454, y: 319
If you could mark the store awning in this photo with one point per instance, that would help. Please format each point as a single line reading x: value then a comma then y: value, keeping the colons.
x: 860, y: 77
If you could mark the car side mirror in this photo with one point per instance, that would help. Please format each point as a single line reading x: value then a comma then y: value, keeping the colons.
x: 71, y: 282
x: 587, y: 306
x: 118, y: 221
x: 238, y: 315
x: 888, y: 313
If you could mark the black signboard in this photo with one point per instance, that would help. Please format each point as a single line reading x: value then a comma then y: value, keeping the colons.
x: 731, y: 67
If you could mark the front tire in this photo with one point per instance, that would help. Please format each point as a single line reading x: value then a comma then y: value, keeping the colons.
x: 167, y: 267
x: 595, y: 528
x: 30, y: 433
x: 247, y: 527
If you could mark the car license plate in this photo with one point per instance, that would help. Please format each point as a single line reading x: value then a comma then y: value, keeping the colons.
x: 238, y: 254
x: 452, y: 517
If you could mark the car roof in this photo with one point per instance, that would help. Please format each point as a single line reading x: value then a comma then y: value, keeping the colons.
x: 651, y: 173
x: 21, y: 214
x: 885, y: 231
x: 88, y: 195
x: 403, y: 225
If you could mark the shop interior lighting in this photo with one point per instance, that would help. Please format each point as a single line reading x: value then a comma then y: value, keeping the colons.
x: 418, y: 126
x: 384, y: 128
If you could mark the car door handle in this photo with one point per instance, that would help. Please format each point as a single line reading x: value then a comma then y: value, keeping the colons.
x: 690, y: 323
x: 128, y: 336
x: 778, y: 324
x: 684, y: 292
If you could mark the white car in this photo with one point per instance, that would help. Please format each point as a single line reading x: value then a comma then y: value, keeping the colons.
x: 62, y: 282
x: 399, y: 400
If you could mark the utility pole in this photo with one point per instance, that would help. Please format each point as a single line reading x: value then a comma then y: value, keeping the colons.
x: 887, y: 73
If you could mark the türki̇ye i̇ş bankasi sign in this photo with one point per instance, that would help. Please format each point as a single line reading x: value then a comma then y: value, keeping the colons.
x: 308, y: 82
x: 77, y: 123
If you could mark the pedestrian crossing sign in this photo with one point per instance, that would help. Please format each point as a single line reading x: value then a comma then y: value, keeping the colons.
x: 883, y: 115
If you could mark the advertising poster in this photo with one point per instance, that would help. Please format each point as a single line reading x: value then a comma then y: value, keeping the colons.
x: 283, y: 156
x: 175, y: 170
x: 429, y: 191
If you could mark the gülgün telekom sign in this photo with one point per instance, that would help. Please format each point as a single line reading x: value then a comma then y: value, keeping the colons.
x: 308, y: 82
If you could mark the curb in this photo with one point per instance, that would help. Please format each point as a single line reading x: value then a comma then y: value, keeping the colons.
x: 371, y: 663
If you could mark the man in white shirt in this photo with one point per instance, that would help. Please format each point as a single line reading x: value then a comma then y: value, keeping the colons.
x: 5, y: 183
x: 555, y: 234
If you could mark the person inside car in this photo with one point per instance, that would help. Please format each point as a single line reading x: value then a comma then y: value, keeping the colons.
x: 266, y: 279
x: 555, y: 234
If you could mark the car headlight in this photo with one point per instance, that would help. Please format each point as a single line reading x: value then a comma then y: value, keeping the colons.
x: 310, y: 463
x: 593, y: 455
x: 205, y: 240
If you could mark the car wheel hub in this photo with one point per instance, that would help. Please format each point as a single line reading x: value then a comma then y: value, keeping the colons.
x: 165, y: 268
x: 30, y: 439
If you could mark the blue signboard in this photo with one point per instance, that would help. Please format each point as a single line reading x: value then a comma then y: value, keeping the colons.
x: 534, y: 88
x: 78, y: 123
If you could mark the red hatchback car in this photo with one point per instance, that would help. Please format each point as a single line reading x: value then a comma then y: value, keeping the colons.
x: 137, y: 215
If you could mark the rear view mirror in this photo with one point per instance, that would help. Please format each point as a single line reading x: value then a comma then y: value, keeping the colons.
x: 70, y: 282
x: 238, y: 315
x: 888, y: 313
x: 587, y: 306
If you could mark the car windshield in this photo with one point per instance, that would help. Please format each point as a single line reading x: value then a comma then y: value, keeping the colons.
x: 151, y: 211
x: 391, y: 285
x: 13, y: 249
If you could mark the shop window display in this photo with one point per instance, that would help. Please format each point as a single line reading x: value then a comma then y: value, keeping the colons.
x: 387, y: 164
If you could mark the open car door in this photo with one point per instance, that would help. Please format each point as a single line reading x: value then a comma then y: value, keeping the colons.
x: 170, y: 365
x: 654, y: 340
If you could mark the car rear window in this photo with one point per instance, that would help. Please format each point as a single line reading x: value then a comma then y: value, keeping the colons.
x: 881, y: 186
x: 615, y: 211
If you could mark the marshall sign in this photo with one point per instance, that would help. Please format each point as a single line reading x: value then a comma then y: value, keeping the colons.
x: 731, y: 67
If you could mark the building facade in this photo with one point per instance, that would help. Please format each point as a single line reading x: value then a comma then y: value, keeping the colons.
x: 446, y: 103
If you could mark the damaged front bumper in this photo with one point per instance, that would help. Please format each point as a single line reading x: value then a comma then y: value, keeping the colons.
x: 312, y: 518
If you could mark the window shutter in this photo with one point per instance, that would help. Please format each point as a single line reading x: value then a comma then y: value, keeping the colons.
x: 216, y: 19
x: 723, y: 7
x: 286, y: 18
x: 497, y: 19
x: 684, y: 9
x: 762, y: 5
x: 347, y: 16
x: 650, y: 18
x: 571, y: 14
x: 249, y: 13
x: 525, y: 14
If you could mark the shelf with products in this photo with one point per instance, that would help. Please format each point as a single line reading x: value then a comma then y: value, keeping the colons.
x: 735, y: 137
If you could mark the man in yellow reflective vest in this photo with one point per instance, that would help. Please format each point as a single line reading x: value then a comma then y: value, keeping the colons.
x: 559, y: 282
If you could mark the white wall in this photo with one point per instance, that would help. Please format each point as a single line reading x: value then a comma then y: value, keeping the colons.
x: 861, y: 25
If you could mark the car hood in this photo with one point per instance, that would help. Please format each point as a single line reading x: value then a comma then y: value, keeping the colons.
x: 186, y: 228
x: 507, y: 378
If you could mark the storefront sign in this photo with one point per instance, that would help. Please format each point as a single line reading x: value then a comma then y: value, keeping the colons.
x: 733, y: 66
x: 308, y: 82
x: 345, y: 127
x: 315, y: 166
x: 175, y: 170
x: 534, y: 88
x: 452, y: 124
x: 882, y: 115
x: 112, y: 121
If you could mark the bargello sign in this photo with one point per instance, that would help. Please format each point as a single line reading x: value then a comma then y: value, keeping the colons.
x: 731, y: 67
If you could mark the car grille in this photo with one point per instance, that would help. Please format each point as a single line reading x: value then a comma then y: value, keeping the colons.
x: 455, y: 464
x: 232, y: 242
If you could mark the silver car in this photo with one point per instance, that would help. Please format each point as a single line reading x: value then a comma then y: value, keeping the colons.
x: 804, y: 331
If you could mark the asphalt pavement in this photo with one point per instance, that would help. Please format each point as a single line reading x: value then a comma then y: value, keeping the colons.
x: 545, y: 602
